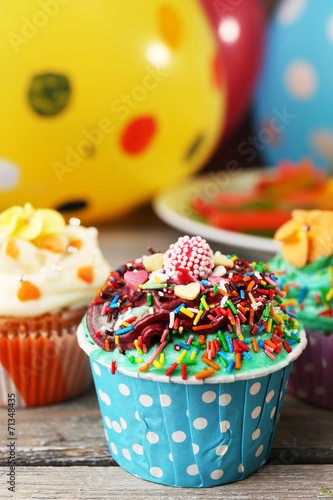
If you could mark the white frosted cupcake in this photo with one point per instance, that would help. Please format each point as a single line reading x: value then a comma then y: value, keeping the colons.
x: 49, y: 272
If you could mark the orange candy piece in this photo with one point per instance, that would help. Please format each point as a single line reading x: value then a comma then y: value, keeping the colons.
x: 86, y: 274
x: 28, y: 291
x: 53, y: 243
x: 12, y: 249
x: 76, y: 244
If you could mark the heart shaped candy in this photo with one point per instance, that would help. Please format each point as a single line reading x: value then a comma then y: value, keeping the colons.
x: 222, y: 260
x: 153, y: 262
x: 135, y: 278
x: 188, y: 292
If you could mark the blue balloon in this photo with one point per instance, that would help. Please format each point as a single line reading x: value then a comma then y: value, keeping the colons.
x: 293, y: 108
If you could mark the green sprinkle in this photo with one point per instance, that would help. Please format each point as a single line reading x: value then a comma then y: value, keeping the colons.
x: 232, y: 307
x: 195, y: 343
x: 223, y: 341
x: 174, y: 331
x: 278, y: 299
x: 153, y: 286
x: 149, y: 300
x: 224, y: 362
x: 191, y: 361
x: 266, y: 311
x: 131, y: 359
x: 216, y: 290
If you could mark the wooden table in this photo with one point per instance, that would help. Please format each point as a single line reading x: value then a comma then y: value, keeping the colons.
x: 62, y: 451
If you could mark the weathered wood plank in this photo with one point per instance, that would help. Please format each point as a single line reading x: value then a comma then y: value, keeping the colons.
x: 72, y: 434
x: 296, y: 482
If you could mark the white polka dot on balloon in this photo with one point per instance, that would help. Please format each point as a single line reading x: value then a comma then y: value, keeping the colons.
x: 221, y: 450
x: 106, y: 434
x: 114, y: 448
x: 255, y: 388
x: 146, y: 400
x: 137, y: 448
x: 224, y: 399
x: 156, y: 472
x: 192, y: 470
x: 195, y: 448
x: 259, y: 450
x: 126, y: 454
x: 179, y: 436
x: 124, y: 390
x: 224, y: 425
x: 273, y: 412
x: 116, y: 427
x: 123, y: 423
x: 256, y: 412
x: 241, y: 468
x: 108, y: 422
x: 97, y: 369
x: 217, y: 474
x: 136, y: 414
x: 290, y: 11
x: 209, y: 396
x: 270, y: 396
x: 200, y: 423
x: 187, y: 414
x: 256, y: 434
x: 9, y: 175
x: 170, y: 457
x: 152, y: 437
x: 329, y: 28
x: 322, y: 141
x: 165, y: 400
x: 301, y: 79
x: 104, y: 397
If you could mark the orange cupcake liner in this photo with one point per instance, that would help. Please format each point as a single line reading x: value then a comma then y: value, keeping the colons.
x: 40, y: 360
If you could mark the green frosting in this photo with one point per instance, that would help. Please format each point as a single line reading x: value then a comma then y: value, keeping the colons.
x: 259, y: 361
x: 314, y: 284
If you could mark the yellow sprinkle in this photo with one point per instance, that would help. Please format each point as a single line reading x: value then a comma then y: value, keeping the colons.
x: 329, y: 295
x: 254, y: 264
x: 198, y: 316
x: 212, y: 306
x: 285, y: 317
x: 193, y: 355
x: 291, y: 302
x: 278, y: 317
x: 188, y: 313
x: 139, y: 286
x: 116, y: 339
x: 137, y: 347
x: 157, y: 364
x: 180, y: 329
x: 240, y: 337
x: 182, y: 354
x: 158, y: 279
x: 204, y: 303
x: 263, y: 282
x: 296, y: 324
x: 233, y: 258
x: 269, y: 325
x: 162, y: 358
x: 139, y: 360
x: 125, y: 323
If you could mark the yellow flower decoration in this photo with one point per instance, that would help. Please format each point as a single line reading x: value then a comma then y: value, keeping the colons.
x: 306, y: 237
x: 27, y: 223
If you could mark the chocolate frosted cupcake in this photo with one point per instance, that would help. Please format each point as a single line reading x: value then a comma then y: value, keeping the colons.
x: 49, y: 272
x: 305, y: 270
x: 190, y: 353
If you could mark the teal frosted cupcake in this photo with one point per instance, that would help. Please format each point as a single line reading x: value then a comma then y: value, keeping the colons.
x: 190, y: 352
x: 305, y: 270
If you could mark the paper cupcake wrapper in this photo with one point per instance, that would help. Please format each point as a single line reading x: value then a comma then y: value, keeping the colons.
x: 189, y: 435
x: 311, y: 378
x: 41, y: 362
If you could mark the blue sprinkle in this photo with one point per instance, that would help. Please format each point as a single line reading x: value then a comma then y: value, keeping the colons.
x: 118, y: 268
x: 260, y: 343
x: 282, y: 282
x: 245, y: 341
x: 228, y: 256
x: 196, y: 349
x: 261, y: 328
x: 291, y: 342
x: 184, y: 346
x: 291, y: 314
x: 246, y: 355
x: 113, y: 303
x: 302, y: 294
x: 124, y: 330
x: 179, y: 308
x: 230, y: 366
x: 229, y: 342
x: 223, y: 355
x: 242, y: 294
x: 114, y: 279
x: 248, y: 274
x: 204, y: 282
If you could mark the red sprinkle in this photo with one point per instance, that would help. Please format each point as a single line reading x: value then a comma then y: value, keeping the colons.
x: 113, y: 367
x: 184, y: 368
x: 287, y: 346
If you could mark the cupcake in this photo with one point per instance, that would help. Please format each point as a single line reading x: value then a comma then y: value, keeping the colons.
x: 305, y: 268
x: 49, y: 272
x: 190, y: 353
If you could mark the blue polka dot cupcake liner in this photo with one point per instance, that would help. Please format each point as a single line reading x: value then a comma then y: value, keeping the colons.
x: 189, y: 435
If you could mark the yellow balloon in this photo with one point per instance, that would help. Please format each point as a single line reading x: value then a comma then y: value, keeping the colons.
x: 104, y: 102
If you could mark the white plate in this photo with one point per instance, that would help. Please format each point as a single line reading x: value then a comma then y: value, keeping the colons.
x: 173, y: 207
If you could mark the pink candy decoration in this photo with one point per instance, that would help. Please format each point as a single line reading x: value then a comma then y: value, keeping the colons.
x: 193, y: 255
x: 135, y: 278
